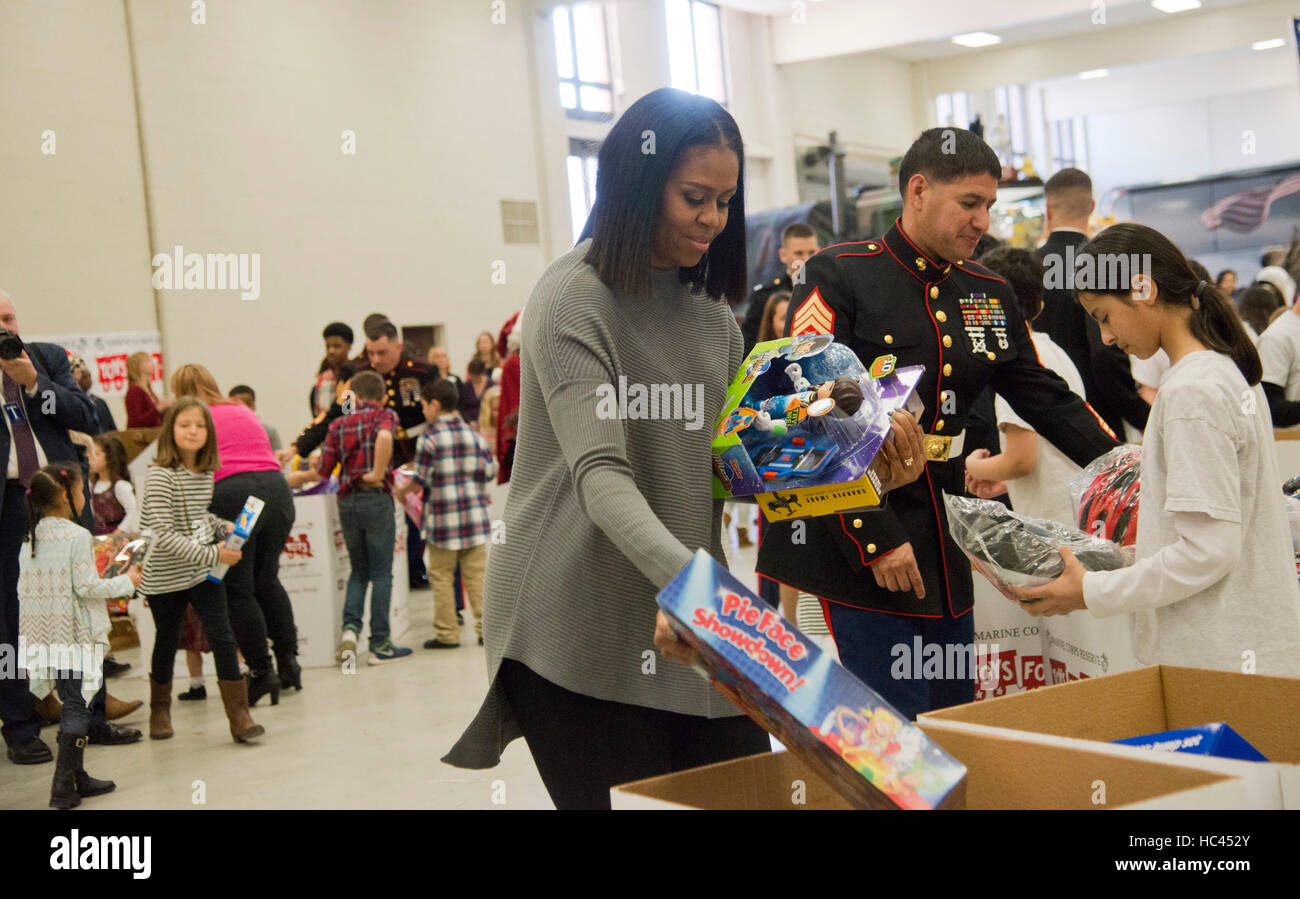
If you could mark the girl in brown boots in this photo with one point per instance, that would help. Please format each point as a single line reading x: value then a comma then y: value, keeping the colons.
x: 186, y: 544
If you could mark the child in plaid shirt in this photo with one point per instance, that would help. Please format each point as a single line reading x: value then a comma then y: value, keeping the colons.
x: 453, y: 465
x: 361, y: 442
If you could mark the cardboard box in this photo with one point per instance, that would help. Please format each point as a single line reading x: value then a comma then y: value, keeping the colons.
x: 785, y: 439
x: 851, y: 737
x: 1264, y: 710
x: 1003, y: 773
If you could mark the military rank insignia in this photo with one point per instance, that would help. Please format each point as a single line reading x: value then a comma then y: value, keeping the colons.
x: 814, y: 316
x: 980, y: 314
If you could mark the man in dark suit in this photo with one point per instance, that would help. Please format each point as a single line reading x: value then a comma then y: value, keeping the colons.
x: 41, y: 404
x: 81, y: 374
x: 1105, y: 370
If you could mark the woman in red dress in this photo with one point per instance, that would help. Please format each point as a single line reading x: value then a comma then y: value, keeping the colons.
x: 144, y: 408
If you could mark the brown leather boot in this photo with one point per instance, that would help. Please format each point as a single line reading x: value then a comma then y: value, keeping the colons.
x: 49, y: 709
x: 115, y: 708
x: 234, y: 694
x: 160, y: 710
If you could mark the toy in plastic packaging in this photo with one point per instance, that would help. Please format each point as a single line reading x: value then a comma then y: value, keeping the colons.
x: 835, y: 723
x: 1105, y: 495
x: 115, y: 554
x: 802, y: 423
x: 1014, y: 550
x: 413, y: 502
x: 243, y: 528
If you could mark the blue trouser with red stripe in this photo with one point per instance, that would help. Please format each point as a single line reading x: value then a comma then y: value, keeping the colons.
x: 889, y: 653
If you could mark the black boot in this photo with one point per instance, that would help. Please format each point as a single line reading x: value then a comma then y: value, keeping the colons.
x: 262, y: 681
x: 71, y: 782
x: 290, y: 671
x: 199, y: 692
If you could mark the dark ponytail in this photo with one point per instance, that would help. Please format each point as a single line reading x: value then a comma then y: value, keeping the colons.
x: 43, y: 491
x: 1213, y: 321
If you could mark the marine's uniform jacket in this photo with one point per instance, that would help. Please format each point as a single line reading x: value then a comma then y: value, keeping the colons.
x: 964, y: 324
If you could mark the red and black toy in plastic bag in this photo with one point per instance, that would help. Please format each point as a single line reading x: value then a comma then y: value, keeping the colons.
x: 1105, y: 495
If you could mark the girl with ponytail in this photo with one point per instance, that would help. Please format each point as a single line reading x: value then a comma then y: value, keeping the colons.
x: 1214, y: 584
x: 63, y: 619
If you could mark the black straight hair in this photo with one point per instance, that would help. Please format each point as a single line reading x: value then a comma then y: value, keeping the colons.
x: 647, y: 142
x: 43, y: 491
x: 1213, y: 321
x: 944, y: 155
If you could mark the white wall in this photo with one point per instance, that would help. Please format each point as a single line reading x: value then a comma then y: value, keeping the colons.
x: 638, y: 45
x: 867, y: 98
x: 242, y: 120
x: 1186, y: 117
x: 74, y: 252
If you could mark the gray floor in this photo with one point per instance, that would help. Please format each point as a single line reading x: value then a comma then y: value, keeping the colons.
x: 366, y: 740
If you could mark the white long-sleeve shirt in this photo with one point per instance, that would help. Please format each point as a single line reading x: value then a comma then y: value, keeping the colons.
x: 1214, y: 584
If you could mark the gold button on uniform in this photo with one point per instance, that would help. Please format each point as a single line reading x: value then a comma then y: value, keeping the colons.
x: 934, y: 293
x: 889, y: 338
x: 947, y: 369
x: 938, y: 425
x: 941, y: 316
x: 871, y: 547
x: 992, y: 356
x: 943, y: 396
x: 857, y: 522
x: 947, y: 340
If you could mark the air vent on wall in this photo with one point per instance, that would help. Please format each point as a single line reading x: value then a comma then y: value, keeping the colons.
x: 519, y: 221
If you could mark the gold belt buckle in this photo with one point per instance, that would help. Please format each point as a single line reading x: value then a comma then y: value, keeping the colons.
x: 936, y: 447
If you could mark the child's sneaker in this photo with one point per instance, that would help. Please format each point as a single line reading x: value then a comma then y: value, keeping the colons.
x: 387, y: 652
x: 347, y: 648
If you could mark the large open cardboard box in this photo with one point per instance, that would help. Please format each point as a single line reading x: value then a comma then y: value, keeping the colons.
x: 1003, y: 772
x: 1264, y: 710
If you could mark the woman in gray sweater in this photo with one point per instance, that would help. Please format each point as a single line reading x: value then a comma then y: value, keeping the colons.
x: 609, y: 498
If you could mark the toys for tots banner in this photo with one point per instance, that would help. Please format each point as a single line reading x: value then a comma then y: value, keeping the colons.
x: 1036, y: 652
x: 105, y: 354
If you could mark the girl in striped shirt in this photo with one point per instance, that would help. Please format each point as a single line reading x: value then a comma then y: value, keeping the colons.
x: 186, y: 544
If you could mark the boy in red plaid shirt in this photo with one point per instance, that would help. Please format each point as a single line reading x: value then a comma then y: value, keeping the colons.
x: 454, y: 465
x: 361, y: 441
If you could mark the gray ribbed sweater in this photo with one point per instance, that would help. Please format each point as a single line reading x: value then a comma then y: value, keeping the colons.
x: 603, y: 512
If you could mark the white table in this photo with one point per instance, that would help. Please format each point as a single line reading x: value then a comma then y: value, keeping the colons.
x: 314, y: 569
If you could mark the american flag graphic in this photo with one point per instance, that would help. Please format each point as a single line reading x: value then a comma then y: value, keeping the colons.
x: 1245, y: 211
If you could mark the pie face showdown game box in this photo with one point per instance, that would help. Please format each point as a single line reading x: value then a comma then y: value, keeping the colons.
x: 802, y: 423
x: 837, y: 725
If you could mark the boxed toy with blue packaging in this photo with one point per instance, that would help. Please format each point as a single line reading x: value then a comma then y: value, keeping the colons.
x: 802, y: 423
x: 1209, y: 739
x: 836, y: 724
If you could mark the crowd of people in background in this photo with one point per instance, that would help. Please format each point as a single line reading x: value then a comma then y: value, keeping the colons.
x: 385, y: 426
x: 69, y: 474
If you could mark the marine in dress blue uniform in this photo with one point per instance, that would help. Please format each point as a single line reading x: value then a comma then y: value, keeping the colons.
x: 962, y: 322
